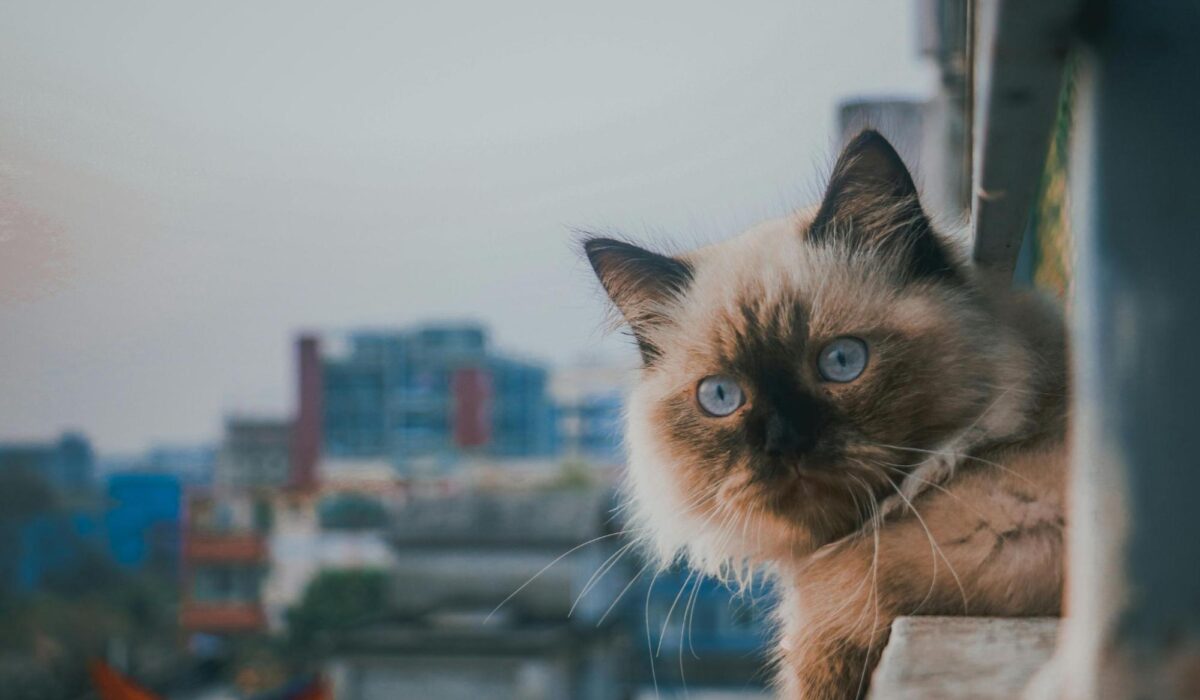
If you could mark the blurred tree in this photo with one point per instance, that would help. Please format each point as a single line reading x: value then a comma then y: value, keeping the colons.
x: 351, y: 511
x: 575, y: 474
x: 337, y: 600
x: 23, y: 495
x: 79, y: 604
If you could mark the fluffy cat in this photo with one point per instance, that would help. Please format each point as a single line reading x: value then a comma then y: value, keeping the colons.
x: 837, y: 398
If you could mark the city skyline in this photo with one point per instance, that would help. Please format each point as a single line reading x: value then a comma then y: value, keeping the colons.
x: 406, y: 395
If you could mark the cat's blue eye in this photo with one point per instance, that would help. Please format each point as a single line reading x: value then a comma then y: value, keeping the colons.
x: 843, y: 359
x: 719, y: 395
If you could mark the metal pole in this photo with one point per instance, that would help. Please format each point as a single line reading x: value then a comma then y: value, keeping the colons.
x: 1133, y: 627
x: 1020, y: 50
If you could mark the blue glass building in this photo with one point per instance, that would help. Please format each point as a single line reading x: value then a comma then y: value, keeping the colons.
x: 143, y: 520
x: 390, y: 394
x: 601, y: 426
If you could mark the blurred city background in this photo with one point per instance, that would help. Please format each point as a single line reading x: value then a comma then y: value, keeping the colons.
x: 249, y: 448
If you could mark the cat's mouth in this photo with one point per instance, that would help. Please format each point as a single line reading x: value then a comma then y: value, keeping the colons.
x: 815, y: 495
x: 817, y: 467
x: 793, y: 484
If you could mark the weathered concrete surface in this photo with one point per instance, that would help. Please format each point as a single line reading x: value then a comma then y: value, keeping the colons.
x: 975, y: 658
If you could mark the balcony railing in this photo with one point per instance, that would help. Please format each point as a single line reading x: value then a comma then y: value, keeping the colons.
x: 222, y: 617
x: 247, y: 548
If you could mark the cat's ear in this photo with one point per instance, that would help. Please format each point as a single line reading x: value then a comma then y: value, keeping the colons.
x: 639, y: 283
x: 871, y: 203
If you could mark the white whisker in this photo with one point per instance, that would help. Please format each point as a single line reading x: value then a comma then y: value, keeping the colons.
x: 962, y: 456
x: 546, y: 568
x: 663, y: 632
x: 649, y: 641
x: 624, y: 590
x: 692, y: 600
x: 599, y: 573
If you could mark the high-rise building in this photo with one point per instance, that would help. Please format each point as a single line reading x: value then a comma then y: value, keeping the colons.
x: 589, y: 402
x: 433, y: 391
x: 600, y: 426
x: 255, y: 453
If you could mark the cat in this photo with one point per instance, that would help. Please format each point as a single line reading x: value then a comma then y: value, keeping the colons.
x: 838, y: 398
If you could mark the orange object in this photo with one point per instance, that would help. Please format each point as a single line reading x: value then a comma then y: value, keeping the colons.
x: 111, y: 685
x: 317, y: 690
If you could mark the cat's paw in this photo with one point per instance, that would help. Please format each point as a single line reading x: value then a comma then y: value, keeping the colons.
x: 829, y: 673
x: 931, y: 473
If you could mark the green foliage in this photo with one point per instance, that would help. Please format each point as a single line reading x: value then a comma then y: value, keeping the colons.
x: 23, y: 494
x: 77, y: 612
x: 336, y: 601
x: 352, y: 511
x: 575, y: 474
x: 264, y: 517
x: 1053, y: 250
x: 49, y: 635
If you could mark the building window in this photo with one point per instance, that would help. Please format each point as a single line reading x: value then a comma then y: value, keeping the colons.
x: 225, y: 584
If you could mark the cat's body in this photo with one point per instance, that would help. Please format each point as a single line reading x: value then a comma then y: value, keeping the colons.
x: 833, y: 396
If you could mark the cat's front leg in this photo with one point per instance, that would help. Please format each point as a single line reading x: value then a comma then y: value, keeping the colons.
x: 936, y: 469
x: 834, y: 625
x: 822, y: 666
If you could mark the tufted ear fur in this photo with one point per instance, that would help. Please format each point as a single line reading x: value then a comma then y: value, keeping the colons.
x: 871, y: 204
x: 639, y: 282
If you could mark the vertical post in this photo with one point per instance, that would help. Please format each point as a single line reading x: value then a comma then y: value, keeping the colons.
x: 1020, y: 50
x: 1133, y: 628
x: 306, y: 434
x: 471, y: 388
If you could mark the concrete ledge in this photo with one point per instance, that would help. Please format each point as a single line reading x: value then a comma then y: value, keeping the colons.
x: 981, y: 658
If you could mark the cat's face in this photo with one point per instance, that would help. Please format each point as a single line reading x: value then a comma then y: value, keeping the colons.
x: 793, y: 374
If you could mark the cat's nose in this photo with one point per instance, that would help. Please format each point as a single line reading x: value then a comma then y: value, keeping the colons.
x: 782, y: 438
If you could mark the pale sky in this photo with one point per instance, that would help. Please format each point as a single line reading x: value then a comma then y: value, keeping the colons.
x: 183, y: 186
